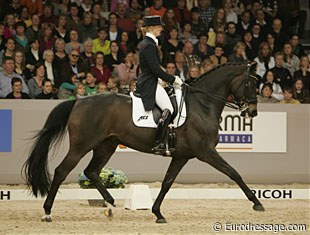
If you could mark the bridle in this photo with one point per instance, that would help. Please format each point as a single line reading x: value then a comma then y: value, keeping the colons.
x: 241, y: 104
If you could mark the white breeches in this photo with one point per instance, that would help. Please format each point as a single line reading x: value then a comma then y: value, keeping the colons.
x: 162, y: 99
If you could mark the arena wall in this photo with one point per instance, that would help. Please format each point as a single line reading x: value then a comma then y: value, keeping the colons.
x: 291, y: 166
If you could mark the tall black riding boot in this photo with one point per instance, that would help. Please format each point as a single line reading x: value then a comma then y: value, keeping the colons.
x: 160, y: 148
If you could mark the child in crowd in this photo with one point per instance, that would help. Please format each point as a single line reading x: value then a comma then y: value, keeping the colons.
x: 101, y: 87
x: 90, y: 84
x: 288, y: 96
x: 299, y: 93
x: 113, y: 84
x: 47, y: 91
x: 79, y: 91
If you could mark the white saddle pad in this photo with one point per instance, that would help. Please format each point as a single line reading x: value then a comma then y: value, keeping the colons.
x: 142, y: 118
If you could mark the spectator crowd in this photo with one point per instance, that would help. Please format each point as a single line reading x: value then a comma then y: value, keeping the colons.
x: 62, y: 49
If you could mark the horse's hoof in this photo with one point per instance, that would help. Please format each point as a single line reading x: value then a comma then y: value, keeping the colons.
x: 259, y: 207
x: 108, y: 213
x: 46, y: 218
x: 161, y: 221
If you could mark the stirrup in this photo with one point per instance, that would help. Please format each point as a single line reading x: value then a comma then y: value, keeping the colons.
x: 159, y: 149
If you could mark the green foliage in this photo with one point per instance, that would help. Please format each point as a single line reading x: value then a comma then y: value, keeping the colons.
x: 109, y: 177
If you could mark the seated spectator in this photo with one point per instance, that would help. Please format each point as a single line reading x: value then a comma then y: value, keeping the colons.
x: 264, y: 59
x: 197, y: 25
x: 280, y: 35
x: 33, y: 32
x: 47, y: 91
x: 244, y: 25
x: 114, y: 3
x: 172, y: 45
x: 51, y: 71
x: 33, y: 56
x: 190, y: 57
x: 218, y: 57
x: 98, y: 20
x: 113, y: 84
x: 21, y: 40
x: 133, y: 85
x: 79, y: 91
x: 60, y: 56
x: 124, y: 45
x: 74, y: 43
x: 87, y: 55
x: 136, y: 36
x: 115, y: 57
x: 47, y: 39
x: 73, y: 18
x: 181, y: 68
x: 90, y: 84
x: 158, y: 8
x: 34, y: 6
x: 207, y: 65
x: 47, y: 15
x: 101, y: 87
x: 101, y: 44
x: 9, y: 22
x: 35, y: 84
x: 20, y: 67
x: 113, y: 31
x: 14, y: 7
x: 299, y: 93
x: 303, y: 73
x: 61, y: 29
x: 271, y: 41
x: 182, y: 14
x: 231, y: 37
x: 288, y: 96
x: 249, y: 50
x: 262, y: 21
x: 257, y: 37
x: 231, y: 15
x: 123, y: 22
x: 297, y: 48
x: 202, y: 49
x: 9, y: 49
x: 62, y: 8
x: 126, y: 71
x: 17, y: 93
x: 6, y: 76
x: 170, y: 22
x: 239, y: 55
x: 2, y: 40
x: 290, y: 61
x: 101, y: 70
x: 192, y: 74
x: 86, y: 29
x: 186, y: 34
x: 219, y: 18
x: 282, y: 75
x: 276, y: 88
x: 266, y: 95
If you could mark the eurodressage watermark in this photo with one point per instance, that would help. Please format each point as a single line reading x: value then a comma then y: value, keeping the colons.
x: 251, y: 227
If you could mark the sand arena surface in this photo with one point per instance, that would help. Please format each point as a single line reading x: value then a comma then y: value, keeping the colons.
x: 183, y: 216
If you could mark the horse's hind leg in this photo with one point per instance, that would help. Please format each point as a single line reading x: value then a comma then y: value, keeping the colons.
x: 61, y: 172
x: 174, y: 168
x: 214, y: 159
x: 101, y: 156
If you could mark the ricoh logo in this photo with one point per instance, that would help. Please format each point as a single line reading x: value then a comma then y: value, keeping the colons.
x: 235, y: 129
x: 143, y: 118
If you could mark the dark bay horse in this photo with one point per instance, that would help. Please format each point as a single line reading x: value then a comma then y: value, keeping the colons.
x: 100, y: 123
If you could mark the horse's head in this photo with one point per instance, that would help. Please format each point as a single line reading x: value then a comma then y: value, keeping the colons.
x: 244, y: 90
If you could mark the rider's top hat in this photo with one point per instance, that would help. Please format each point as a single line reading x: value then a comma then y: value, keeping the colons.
x: 152, y: 21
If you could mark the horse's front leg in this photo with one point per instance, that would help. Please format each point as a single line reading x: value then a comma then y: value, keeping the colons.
x: 174, y: 168
x: 212, y: 157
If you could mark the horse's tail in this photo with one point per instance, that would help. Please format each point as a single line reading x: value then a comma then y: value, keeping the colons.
x: 36, y: 166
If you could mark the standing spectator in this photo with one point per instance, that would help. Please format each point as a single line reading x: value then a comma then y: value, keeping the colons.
x: 206, y: 11
x: 9, y: 49
x: 190, y: 58
x: 124, y: 23
x: 33, y: 56
x: 247, y: 40
x: 114, y: 32
x: 297, y: 48
x: 182, y: 14
x: 303, y: 73
x: 47, y: 91
x: 101, y: 43
x: 61, y: 29
x: 291, y: 61
x: 101, y: 70
x: 158, y: 8
x: 231, y: 37
x: 288, y: 96
x: 87, y: 55
x: 239, y: 55
x: 98, y: 20
x: 300, y: 93
x: 34, y: 6
x: 202, y: 49
x: 34, y: 31
x: 218, y: 57
x: 197, y: 25
x: 17, y: 93
x: 9, y: 22
x: 21, y: 40
x: 264, y: 59
x: 86, y: 29
x: 6, y: 76
x: 47, y: 16
x: 265, y: 95
x: 282, y: 75
x: 47, y: 40
x: 35, y: 84
x: 269, y: 78
x: 115, y: 57
x: 231, y: 15
x: 74, y: 43
x: 244, y: 24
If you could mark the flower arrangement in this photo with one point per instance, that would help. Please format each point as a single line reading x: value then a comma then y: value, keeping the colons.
x: 110, y: 178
